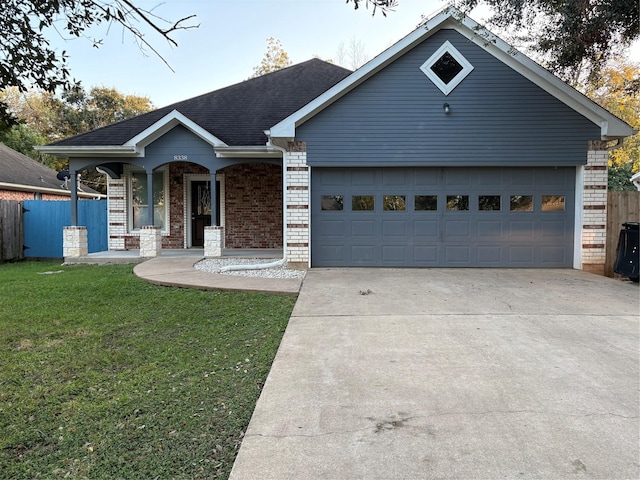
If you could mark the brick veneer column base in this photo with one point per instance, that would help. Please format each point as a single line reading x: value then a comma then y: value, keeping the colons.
x: 213, y: 241
x: 594, y: 209
x: 75, y: 242
x: 150, y: 241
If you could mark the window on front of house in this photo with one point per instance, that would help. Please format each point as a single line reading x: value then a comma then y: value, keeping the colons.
x: 446, y: 68
x: 139, y: 205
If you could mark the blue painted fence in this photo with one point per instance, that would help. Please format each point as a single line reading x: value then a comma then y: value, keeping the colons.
x: 44, y: 221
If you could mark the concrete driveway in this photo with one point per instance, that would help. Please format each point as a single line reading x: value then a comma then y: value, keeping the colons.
x: 447, y: 373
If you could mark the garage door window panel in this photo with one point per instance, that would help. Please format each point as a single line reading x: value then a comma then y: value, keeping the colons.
x: 363, y: 203
x: 425, y: 203
x: 521, y: 203
x: 489, y: 203
x: 457, y: 203
x: 394, y: 203
x: 553, y: 203
x: 332, y: 203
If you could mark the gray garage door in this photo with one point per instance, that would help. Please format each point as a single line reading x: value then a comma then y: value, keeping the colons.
x: 448, y: 217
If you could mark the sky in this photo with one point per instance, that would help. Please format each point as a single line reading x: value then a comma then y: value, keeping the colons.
x: 232, y: 39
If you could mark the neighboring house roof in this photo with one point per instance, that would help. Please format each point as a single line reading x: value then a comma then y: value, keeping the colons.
x: 611, y: 126
x: 21, y: 173
x: 236, y: 115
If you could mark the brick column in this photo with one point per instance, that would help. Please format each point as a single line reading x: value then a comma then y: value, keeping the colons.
x: 150, y: 241
x: 297, y: 203
x: 75, y: 242
x: 213, y: 241
x: 117, y: 213
x: 594, y: 208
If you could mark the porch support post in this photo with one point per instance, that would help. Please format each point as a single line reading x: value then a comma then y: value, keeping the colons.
x: 213, y: 235
x: 74, y: 198
x: 214, y: 195
x: 150, y: 219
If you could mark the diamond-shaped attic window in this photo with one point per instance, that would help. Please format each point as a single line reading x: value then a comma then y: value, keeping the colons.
x: 446, y: 68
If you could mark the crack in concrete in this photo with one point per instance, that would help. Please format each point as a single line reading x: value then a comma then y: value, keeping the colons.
x: 381, y: 426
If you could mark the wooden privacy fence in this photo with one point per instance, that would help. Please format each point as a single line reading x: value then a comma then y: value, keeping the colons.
x: 622, y: 207
x: 11, y: 236
x: 44, y: 222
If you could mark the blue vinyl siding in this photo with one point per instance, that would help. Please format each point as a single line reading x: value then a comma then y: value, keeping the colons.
x: 178, y: 141
x: 498, y: 118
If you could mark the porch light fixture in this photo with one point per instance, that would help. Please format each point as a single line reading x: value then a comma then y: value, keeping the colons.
x: 446, y: 108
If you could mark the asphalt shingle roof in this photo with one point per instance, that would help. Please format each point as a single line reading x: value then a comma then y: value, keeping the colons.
x: 18, y: 169
x: 238, y: 114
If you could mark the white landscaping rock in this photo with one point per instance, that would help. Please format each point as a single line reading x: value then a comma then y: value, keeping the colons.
x: 213, y: 265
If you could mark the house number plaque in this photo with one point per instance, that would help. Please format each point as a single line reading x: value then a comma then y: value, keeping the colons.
x: 180, y: 157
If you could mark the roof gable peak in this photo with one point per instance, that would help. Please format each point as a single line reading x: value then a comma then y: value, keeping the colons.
x: 167, y: 123
x: 451, y: 18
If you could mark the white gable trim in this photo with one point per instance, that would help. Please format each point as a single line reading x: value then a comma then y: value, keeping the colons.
x: 168, y: 122
x: 135, y: 146
x: 611, y: 126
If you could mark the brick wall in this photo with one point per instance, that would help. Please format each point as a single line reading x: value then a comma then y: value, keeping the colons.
x: 18, y: 196
x: 253, y: 206
x: 175, y: 179
x: 177, y: 199
x: 594, y: 208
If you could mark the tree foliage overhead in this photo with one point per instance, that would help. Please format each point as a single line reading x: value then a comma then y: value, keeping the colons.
x: 572, y: 34
x: 45, y: 117
x: 383, y: 5
x: 616, y: 90
x: 275, y: 58
x: 27, y: 59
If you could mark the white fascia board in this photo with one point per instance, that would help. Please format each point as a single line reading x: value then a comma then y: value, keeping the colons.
x: 89, y: 151
x: 247, y: 152
x: 449, y: 17
x: 166, y: 123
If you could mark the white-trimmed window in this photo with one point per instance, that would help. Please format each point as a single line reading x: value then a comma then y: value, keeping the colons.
x: 446, y: 68
x: 138, y: 206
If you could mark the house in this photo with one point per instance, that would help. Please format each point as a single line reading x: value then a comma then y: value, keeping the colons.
x: 22, y: 178
x: 449, y: 149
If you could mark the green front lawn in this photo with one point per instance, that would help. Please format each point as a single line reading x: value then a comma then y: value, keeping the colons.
x: 105, y: 376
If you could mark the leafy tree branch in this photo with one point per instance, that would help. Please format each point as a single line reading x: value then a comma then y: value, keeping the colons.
x: 27, y: 58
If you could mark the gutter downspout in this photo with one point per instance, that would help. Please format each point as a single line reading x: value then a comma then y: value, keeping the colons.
x: 283, y: 260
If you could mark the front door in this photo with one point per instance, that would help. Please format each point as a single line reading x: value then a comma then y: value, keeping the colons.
x: 200, y: 211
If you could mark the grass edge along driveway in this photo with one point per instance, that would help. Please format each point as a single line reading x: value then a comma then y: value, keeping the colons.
x: 103, y: 375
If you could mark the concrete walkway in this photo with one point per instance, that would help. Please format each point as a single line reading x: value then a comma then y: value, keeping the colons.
x: 178, y: 271
x: 465, y: 374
